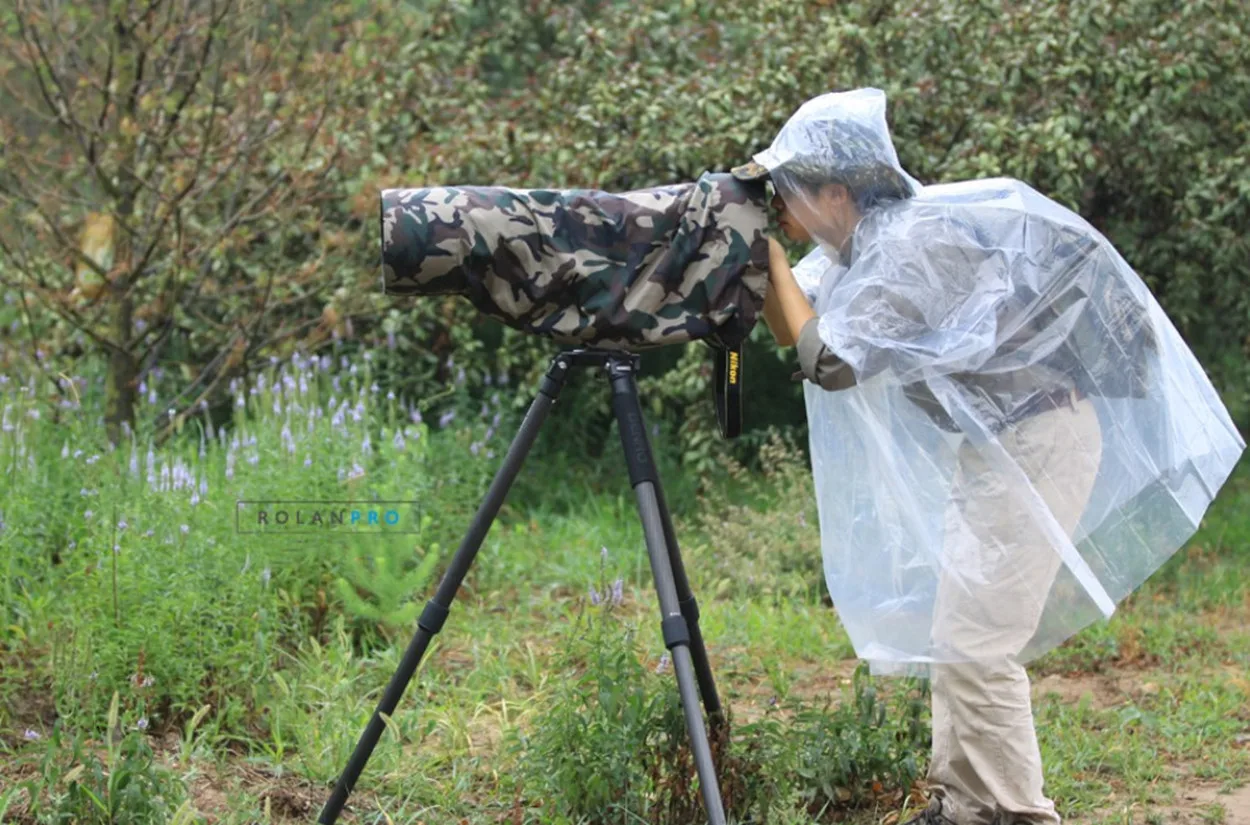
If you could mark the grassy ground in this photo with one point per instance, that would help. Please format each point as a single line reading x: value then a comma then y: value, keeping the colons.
x: 198, y: 675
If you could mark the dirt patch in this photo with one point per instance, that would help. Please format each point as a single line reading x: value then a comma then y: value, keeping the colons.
x: 285, y: 797
x: 1197, y: 803
x: 1104, y: 690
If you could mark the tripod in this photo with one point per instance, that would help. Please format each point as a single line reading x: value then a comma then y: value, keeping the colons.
x: 680, y: 622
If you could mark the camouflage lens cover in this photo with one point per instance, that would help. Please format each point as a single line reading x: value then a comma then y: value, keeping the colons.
x: 631, y: 271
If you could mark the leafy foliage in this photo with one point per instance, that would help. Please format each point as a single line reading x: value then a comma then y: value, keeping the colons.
x: 1134, y: 113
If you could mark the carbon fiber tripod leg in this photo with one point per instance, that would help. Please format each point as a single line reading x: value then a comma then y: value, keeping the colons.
x: 676, y: 629
x: 436, y: 610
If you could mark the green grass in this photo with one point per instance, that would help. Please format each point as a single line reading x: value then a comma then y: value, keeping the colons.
x: 240, y: 669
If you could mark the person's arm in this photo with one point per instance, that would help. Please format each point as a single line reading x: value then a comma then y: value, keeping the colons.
x: 794, y: 322
x: 790, y: 309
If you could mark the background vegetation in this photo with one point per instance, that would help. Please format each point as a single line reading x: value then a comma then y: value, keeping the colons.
x: 191, y: 316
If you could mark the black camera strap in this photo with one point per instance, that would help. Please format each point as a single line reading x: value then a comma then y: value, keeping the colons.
x: 727, y: 388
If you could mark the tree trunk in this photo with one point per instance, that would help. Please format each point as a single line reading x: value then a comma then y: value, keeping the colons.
x: 122, y: 371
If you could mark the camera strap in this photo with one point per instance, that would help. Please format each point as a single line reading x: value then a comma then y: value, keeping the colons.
x: 727, y: 388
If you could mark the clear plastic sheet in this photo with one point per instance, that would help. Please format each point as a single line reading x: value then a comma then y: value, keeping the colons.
x: 1029, y: 438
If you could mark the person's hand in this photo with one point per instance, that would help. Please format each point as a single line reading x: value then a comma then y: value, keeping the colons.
x: 786, y: 309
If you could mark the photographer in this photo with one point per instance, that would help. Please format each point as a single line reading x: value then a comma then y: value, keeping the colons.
x: 907, y: 292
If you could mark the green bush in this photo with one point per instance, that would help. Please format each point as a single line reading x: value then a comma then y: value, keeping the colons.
x: 1134, y: 113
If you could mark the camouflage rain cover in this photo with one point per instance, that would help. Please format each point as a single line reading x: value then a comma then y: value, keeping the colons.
x: 631, y: 271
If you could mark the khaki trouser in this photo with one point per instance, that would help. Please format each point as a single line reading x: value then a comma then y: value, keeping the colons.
x: 986, y: 760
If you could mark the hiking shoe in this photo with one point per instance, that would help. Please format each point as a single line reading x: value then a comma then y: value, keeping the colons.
x: 931, y: 815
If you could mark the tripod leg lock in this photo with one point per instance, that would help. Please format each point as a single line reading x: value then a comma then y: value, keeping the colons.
x: 690, y: 609
x: 676, y: 632
x: 433, y: 617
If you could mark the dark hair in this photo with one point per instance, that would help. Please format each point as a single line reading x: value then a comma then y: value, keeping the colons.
x: 866, y: 194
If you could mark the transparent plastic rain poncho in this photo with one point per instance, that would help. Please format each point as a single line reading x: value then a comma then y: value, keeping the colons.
x: 1028, y: 438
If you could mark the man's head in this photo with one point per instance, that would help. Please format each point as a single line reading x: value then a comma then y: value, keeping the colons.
x: 831, y: 162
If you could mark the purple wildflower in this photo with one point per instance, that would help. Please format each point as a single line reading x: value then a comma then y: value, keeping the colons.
x: 149, y: 534
x: 474, y: 447
x: 195, y: 499
x: 152, y: 396
x: 373, y: 388
x: 603, y: 554
x: 398, y: 441
x: 460, y: 375
x: 30, y: 735
x: 142, y: 724
x: 34, y: 413
x: 663, y: 665
x: 486, y: 379
x: 184, y: 529
x: 93, y: 459
x: 595, y: 598
x: 446, y: 418
x: 366, y: 446
x: 122, y: 525
x: 88, y: 514
x: 65, y: 450
x: 308, y: 461
x: 618, y: 591
x: 390, y: 340
x: 415, y: 415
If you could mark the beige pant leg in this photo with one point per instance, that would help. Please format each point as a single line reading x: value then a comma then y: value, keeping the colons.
x: 986, y: 758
